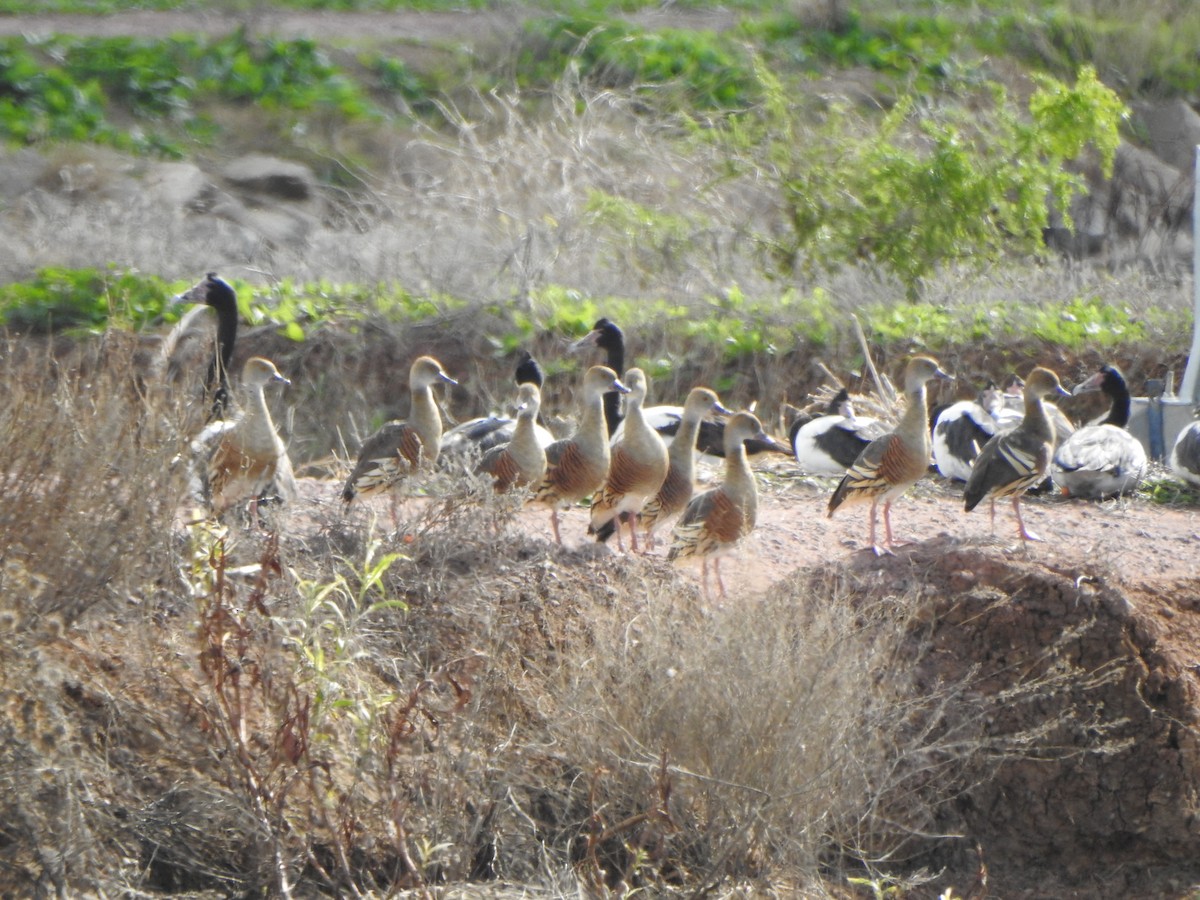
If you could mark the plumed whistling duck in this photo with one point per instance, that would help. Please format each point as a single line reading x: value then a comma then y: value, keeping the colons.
x: 242, y: 456
x: 637, y: 466
x: 1015, y: 460
x: 680, y: 483
x: 1101, y: 460
x: 664, y: 419
x: 399, y: 448
x: 577, y: 466
x: 482, y: 434
x: 521, y: 461
x: 890, y: 465
x: 715, y: 521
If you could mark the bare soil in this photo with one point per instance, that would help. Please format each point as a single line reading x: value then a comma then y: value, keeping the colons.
x: 408, y: 26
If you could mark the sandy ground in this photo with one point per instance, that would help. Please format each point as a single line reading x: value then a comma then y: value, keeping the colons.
x: 1140, y: 542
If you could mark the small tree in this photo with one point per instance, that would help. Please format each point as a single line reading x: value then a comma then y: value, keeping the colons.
x: 924, y: 183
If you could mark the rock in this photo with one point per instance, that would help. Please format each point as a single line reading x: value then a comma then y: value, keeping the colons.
x: 178, y: 185
x: 277, y: 178
x: 1172, y: 129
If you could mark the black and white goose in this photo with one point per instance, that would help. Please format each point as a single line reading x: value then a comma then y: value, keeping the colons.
x: 1185, y: 455
x: 486, y: 432
x: 665, y: 420
x: 1101, y: 460
x: 829, y: 444
x: 962, y: 428
x: 215, y: 292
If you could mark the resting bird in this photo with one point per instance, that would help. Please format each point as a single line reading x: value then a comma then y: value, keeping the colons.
x: 399, y: 448
x: 962, y: 428
x: 1013, y: 461
x: 664, y: 419
x: 242, y: 455
x: 680, y: 483
x: 1101, y: 460
x: 715, y: 521
x: 890, y: 465
x: 482, y: 434
x: 522, y: 460
x: 577, y: 466
x: 1185, y: 454
x: 829, y: 444
x: 636, y: 470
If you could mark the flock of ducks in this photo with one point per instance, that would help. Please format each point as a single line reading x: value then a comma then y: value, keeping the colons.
x: 636, y: 462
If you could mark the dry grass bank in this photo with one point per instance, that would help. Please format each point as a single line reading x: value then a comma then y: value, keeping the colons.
x: 336, y: 708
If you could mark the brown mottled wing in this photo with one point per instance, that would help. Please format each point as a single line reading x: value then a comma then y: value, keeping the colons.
x: 569, y: 476
x: 864, y: 479
x: 712, y: 521
x: 623, y: 472
x: 671, y: 498
x: 1009, y: 464
x: 234, y: 474
x: 499, y: 463
x: 386, y: 457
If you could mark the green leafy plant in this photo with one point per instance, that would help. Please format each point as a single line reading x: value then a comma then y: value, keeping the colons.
x: 92, y: 299
x: 924, y: 184
x: 706, y: 70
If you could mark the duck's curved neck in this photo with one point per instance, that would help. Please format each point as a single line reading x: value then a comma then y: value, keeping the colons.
x: 738, y: 475
x: 427, y: 421
x: 217, y: 379
x: 1118, y: 413
x: 683, y: 449
x: 914, y: 424
x: 594, y: 422
x: 612, y: 399
x: 1037, y: 419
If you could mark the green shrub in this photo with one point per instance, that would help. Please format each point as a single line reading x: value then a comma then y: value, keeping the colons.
x: 90, y: 299
x: 66, y: 88
x: 706, y: 69
x: 926, y: 184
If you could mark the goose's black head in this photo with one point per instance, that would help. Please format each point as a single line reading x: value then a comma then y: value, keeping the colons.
x: 1111, y: 383
x: 1108, y: 379
x: 834, y: 406
x: 528, y: 370
x: 214, y: 291
x: 610, y: 338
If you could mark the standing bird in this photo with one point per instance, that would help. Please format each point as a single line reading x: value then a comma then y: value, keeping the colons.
x: 680, y: 483
x: 215, y: 292
x: 577, y: 466
x: 482, y: 434
x: 829, y: 444
x: 637, y: 468
x: 522, y: 460
x: 1013, y: 461
x: 242, y: 455
x: 890, y: 465
x: 399, y: 448
x: 713, y: 522
x: 1101, y: 460
x: 611, y: 339
x: 664, y: 419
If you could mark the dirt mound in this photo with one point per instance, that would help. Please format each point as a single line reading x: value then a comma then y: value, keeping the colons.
x: 1087, y: 769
